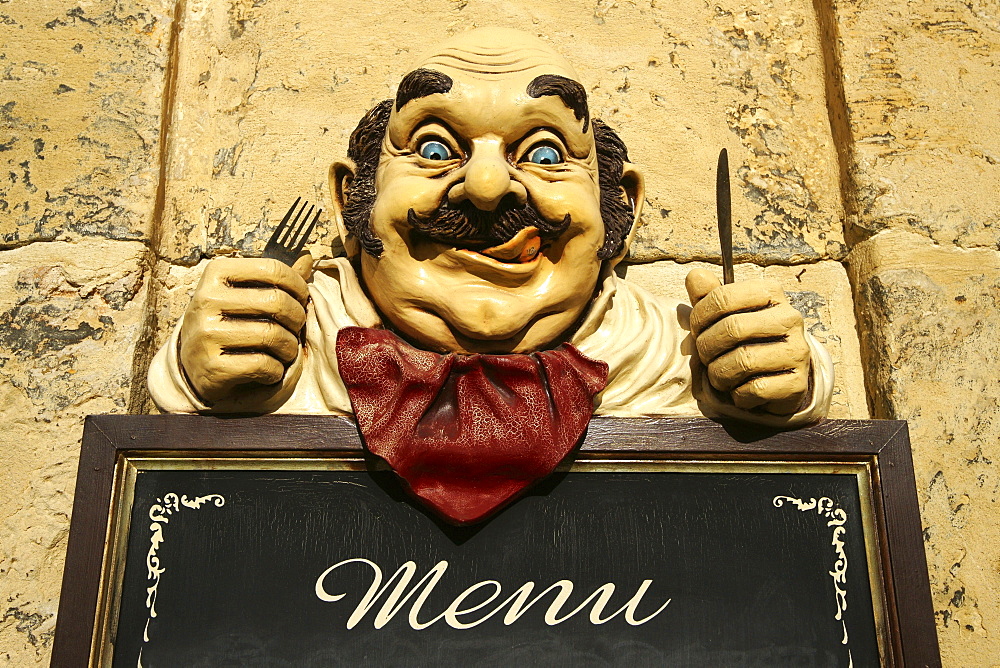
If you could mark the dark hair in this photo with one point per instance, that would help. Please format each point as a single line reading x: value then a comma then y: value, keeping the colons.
x: 616, y: 210
x: 572, y: 93
x: 420, y: 83
x: 365, y: 149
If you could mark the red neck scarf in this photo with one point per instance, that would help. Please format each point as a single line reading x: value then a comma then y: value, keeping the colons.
x: 467, y: 433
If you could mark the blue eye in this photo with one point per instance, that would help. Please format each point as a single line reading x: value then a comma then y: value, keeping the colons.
x: 544, y: 155
x: 435, y: 150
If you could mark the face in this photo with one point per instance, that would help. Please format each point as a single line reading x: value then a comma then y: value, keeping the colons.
x: 517, y: 265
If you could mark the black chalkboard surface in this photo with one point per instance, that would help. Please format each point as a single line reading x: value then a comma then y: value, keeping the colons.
x: 656, y: 548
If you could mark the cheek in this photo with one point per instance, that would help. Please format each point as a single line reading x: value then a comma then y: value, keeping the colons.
x: 397, y: 191
x: 580, y: 200
x: 389, y: 280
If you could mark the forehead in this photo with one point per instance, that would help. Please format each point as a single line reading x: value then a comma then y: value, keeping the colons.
x: 497, y: 61
x: 489, y: 91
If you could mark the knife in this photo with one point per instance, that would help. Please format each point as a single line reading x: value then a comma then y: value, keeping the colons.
x: 723, y: 208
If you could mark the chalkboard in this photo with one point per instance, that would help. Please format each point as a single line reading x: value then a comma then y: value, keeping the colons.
x: 653, y: 548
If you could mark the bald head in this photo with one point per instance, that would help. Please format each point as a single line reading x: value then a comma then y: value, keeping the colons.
x: 501, y: 56
x: 494, y: 52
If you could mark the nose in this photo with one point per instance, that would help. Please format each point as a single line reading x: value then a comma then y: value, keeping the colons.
x: 487, y: 178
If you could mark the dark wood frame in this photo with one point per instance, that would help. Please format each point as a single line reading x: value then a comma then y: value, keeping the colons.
x: 882, y: 443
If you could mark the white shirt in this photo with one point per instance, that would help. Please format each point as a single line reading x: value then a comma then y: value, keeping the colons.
x: 643, y: 338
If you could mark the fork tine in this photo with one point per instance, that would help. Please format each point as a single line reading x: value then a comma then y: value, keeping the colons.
x: 281, y: 226
x: 305, y: 237
x: 293, y: 239
x: 288, y: 232
x: 292, y: 233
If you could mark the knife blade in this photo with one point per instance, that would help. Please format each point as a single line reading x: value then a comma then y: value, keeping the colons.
x: 723, y: 209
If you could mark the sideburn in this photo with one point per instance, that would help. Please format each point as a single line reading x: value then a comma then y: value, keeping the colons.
x: 365, y: 149
x: 616, y: 212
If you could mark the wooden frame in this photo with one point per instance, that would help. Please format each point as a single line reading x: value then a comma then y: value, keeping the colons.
x: 882, y: 446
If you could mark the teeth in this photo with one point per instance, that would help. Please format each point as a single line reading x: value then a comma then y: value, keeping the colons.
x: 523, y: 247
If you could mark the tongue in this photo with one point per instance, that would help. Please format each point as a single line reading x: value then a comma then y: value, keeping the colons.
x: 523, y: 247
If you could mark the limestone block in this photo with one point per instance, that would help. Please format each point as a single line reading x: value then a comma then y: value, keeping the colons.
x: 71, y: 315
x: 268, y: 93
x: 758, y: 69
x: 932, y: 338
x: 921, y: 84
x: 80, y: 108
x: 821, y: 292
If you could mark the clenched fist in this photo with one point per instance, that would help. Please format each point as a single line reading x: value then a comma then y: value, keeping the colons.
x: 751, y: 342
x: 243, y: 324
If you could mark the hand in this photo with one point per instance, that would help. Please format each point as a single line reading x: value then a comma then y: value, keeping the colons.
x: 243, y: 323
x: 751, y: 341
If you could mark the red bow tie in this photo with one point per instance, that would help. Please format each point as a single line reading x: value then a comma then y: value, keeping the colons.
x: 467, y: 433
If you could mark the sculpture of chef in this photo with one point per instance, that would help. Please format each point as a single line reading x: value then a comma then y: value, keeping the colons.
x: 476, y: 322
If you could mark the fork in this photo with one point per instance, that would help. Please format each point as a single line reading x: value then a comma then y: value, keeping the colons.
x: 289, y: 239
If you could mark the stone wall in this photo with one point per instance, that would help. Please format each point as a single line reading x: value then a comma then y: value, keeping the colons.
x: 142, y: 138
x: 81, y: 99
x: 922, y: 142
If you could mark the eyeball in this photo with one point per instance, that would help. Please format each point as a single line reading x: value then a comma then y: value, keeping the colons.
x: 434, y: 150
x: 544, y: 155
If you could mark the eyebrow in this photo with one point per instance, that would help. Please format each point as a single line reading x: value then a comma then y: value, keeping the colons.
x: 421, y: 83
x: 570, y: 92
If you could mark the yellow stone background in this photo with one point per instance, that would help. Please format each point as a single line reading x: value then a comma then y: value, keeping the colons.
x: 142, y: 137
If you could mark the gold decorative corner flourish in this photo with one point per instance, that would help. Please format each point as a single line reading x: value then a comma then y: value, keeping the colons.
x: 837, y: 519
x: 159, y: 514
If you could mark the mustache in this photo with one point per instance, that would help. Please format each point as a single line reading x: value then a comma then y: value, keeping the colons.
x: 465, y: 225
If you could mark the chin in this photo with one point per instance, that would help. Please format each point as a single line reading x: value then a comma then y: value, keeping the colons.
x: 505, y: 334
x: 469, y: 306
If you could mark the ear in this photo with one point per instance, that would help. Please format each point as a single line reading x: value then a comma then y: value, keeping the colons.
x: 341, y: 175
x: 634, y: 190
